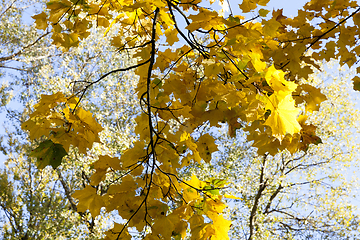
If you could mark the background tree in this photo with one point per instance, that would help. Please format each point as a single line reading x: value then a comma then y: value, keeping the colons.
x: 37, y: 204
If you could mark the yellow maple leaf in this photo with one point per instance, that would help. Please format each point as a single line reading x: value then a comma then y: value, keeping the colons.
x: 105, y: 162
x: 41, y: 21
x: 283, y: 118
x: 184, y: 136
x: 98, y: 176
x: 247, y: 5
x: 89, y: 200
x: 36, y: 127
x: 87, y: 118
x: 84, y: 129
x: 197, y: 226
x: 206, y: 146
x: 47, y: 102
x: 103, y: 22
x: 211, y: 67
x: 142, y: 127
x: 263, y: 12
x: 101, y: 167
x: 220, y: 225
x: 171, y: 36
x: 191, y: 193
x: 206, y: 20
x: 159, y: 227
x: 167, y: 155
x: 275, y: 79
x: 44, y: 120
x: 131, y: 156
x: 114, y: 233
x: 127, y: 185
x: 270, y: 27
x: 311, y: 95
x: 255, y: 56
x: 58, y: 9
x: 65, y: 40
x: 263, y: 141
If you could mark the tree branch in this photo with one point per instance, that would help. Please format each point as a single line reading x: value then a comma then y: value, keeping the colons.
x: 262, y: 186
x: 3, y: 59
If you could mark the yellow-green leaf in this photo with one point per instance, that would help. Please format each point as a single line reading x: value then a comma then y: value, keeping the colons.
x: 263, y: 12
x: 41, y: 21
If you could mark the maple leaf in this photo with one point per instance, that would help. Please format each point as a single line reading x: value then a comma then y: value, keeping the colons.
x: 65, y: 40
x: 127, y: 186
x: 84, y: 129
x: 57, y: 9
x: 191, y: 193
x: 89, y: 200
x: 263, y: 12
x: 356, y: 82
x: 38, y: 127
x: 247, y: 5
x: 221, y: 226
x: 41, y: 21
x: 255, y: 57
x: 283, y: 117
x: 48, y: 154
x: 311, y: 95
x: 131, y: 156
x: 106, y: 161
x: 263, y: 139
x: 47, y: 102
x: 101, y: 167
x: 308, y: 134
x: 197, y: 226
x: 159, y: 229
x: 206, y: 146
x: 270, y: 27
x: 88, y: 121
x: 275, y: 79
x: 206, y: 20
x: 114, y: 233
x: 171, y: 36
x: 356, y: 19
x: 167, y: 156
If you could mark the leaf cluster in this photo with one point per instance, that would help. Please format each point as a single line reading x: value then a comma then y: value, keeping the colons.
x: 216, y: 69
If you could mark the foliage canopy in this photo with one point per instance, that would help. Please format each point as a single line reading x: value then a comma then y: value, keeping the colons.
x: 196, y: 68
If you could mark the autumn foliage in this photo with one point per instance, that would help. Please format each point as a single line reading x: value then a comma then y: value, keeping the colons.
x: 197, y: 67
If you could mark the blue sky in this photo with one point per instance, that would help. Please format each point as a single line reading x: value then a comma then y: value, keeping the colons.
x: 289, y: 7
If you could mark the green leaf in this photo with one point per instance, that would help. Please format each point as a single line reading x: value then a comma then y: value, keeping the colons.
x: 211, y: 190
x: 48, y: 153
